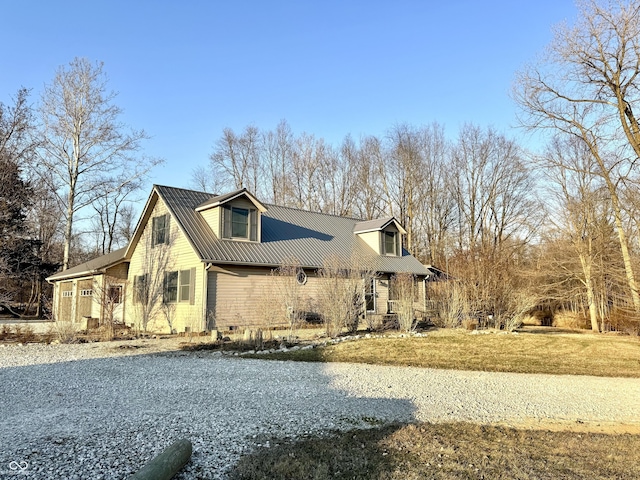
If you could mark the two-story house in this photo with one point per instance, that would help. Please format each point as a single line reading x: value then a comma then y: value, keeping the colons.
x: 199, y: 262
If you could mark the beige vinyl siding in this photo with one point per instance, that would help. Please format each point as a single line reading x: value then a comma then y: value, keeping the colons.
x: 372, y: 239
x: 249, y: 297
x: 382, y: 286
x: 180, y: 256
x: 96, y: 305
x: 212, y: 217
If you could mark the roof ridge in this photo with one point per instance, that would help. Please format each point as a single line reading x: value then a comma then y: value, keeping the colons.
x: 311, y: 211
x: 185, y: 189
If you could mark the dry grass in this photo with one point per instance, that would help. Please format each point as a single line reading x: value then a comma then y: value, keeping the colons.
x: 448, y: 451
x: 534, y: 350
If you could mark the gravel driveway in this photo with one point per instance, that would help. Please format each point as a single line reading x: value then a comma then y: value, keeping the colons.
x: 96, y: 411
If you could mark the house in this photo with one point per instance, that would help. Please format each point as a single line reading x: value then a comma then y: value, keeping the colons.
x: 199, y: 262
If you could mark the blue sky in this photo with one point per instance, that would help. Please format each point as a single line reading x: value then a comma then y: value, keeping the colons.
x: 186, y: 70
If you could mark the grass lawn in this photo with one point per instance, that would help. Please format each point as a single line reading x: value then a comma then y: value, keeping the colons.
x: 465, y: 450
x: 533, y: 350
x: 448, y: 451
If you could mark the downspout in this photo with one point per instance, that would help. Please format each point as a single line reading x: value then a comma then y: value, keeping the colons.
x: 205, y: 300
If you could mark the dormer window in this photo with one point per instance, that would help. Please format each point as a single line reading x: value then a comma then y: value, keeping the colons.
x: 390, y: 243
x: 384, y: 236
x: 233, y: 216
x: 240, y: 223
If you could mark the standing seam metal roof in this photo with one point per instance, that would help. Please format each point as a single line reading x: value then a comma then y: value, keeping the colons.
x: 287, y: 233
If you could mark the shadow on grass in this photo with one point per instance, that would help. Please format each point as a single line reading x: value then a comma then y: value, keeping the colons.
x: 552, y: 330
x: 447, y: 451
x: 355, y: 454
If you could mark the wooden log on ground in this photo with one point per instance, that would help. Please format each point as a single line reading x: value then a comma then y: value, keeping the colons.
x: 167, y: 464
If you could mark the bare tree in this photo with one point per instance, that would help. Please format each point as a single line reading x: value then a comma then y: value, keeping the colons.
x: 568, y: 164
x: 404, y: 292
x: 341, y: 298
x: 149, y: 285
x: 112, y: 210
x: 22, y: 268
x: 278, y: 151
x: 288, y: 290
x: 370, y: 162
x: 84, y: 144
x: 587, y: 86
x: 237, y: 158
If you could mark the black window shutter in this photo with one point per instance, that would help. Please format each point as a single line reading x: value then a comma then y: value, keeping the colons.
x: 226, y: 220
x: 253, y: 225
x: 154, y: 231
x: 192, y: 286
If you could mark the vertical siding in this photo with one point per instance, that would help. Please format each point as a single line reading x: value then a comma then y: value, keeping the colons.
x: 181, y: 257
x: 64, y: 312
x: 84, y: 303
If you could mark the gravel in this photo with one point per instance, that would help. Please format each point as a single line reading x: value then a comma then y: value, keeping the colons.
x: 101, y: 412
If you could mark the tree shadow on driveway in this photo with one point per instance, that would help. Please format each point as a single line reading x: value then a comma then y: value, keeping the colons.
x: 109, y: 416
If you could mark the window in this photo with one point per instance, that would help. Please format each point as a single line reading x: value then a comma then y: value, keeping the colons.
x: 170, y: 287
x: 114, y: 294
x: 240, y: 223
x: 86, y: 293
x: 179, y: 286
x: 370, y: 294
x: 141, y: 288
x: 185, y: 285
x: 389, y: 243
x: 160, y: 230
x: 67, y: 294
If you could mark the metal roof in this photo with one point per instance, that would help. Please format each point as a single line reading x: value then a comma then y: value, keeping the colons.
x: 377, y: 224
x: 93, y: 266
x: 287, y: 233
x: 221, y: 199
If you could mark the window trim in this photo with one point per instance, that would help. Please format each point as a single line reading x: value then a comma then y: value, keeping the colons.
x: 140, y: 288
x: 157, y: 231
x: 169, y: 288
x: 388, y: 234
x: 251, y: 223
x: 182, y: 285
x: 370, y: 292
x: 111, y: 289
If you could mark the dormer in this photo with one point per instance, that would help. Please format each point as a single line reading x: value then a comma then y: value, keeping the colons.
x: 384, y: 236
x: 234, y: 216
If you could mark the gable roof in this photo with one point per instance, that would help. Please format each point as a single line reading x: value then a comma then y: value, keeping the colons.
x: 287, y: 233
x: 227, y: 197
x: 377, y: 224
x: 93, y: 266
